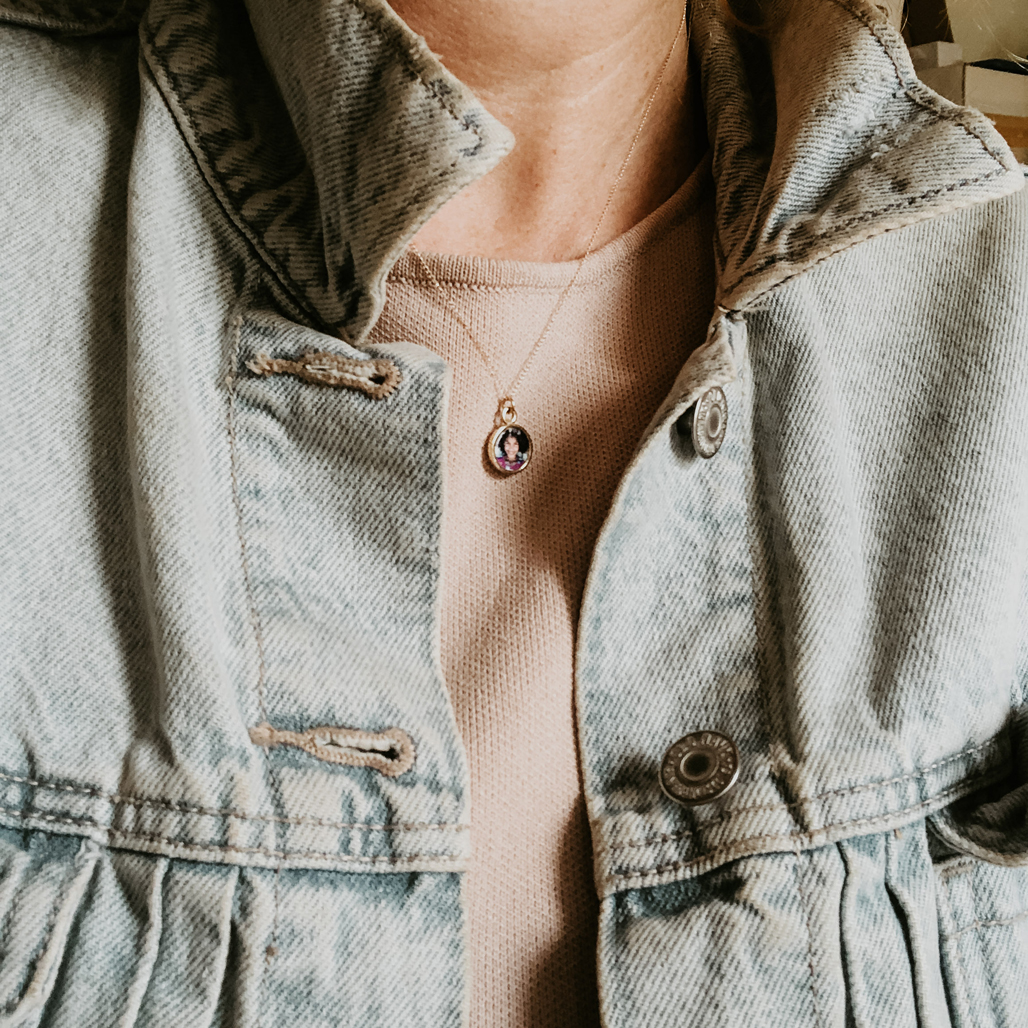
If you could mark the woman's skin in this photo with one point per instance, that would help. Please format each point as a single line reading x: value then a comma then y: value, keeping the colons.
x: 570, y: 78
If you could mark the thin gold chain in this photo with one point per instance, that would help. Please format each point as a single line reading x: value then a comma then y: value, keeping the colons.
x: 502, y: 394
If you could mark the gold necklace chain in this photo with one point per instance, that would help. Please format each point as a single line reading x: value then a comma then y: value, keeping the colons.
x: 498, y: 449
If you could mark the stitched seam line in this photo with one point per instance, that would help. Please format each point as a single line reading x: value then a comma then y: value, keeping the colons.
x: 33, y: 962
x: 473, y: 287
x: 26, y: 19
x: 769, y: 656
x: 208, y: 167
x: 810, y: 937
x: 794, y: 837
x: 197, y: 150
x: 219, y: 848
x: 998, y: 922
x: 237, y: 347
x: 795, y: 804
x: 271, y: 949
x: 76, y: 28
x: 255, y: 620
x: 771, y: 262
x: 135, y: 801
x: 387, y: 35
x: 962, y: 969
x: 924, y: 104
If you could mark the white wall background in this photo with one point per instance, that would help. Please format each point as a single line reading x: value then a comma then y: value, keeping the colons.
x: 990, y: 28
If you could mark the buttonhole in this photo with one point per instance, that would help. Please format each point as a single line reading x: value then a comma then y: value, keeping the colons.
x: 376, y: 378
x: 390, y: 751
x: 346, y: 742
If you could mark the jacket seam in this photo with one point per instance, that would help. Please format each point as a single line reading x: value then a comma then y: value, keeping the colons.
x: 805, y: 906
x: 256, y: 624
x: 775, y: 259
x: 793, y: 838
x: 873, y: 26
x: 184, y: 808
x: 208, y: 168
x: 236, y: 325
x: 33, y: 962
x: 80, y: 822
x: 912, y: 95
x: 805, y: 801
x: 768, y: 655
x: 208, y: 172
x: 43, y: 22
x: 387, y: 36
x: 977, y: 925
x: 960, y: 977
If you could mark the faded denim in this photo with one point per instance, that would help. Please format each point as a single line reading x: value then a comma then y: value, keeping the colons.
x: 191, y: 550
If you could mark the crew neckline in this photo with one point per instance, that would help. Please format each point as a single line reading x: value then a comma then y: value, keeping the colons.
x: 459, y: 271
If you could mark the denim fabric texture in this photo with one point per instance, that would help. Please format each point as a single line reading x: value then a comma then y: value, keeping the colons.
x: 199, y: 559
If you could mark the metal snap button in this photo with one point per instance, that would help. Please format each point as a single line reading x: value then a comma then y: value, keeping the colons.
x: 699, y: 768
x: 706, y: 422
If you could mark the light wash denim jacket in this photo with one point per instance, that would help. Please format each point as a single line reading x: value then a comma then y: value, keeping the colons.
x: 231, y: 787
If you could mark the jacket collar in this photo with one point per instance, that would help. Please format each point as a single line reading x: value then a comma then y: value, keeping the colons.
x: 824, y: 137
x: 327, y: 130
x: 331, y: 134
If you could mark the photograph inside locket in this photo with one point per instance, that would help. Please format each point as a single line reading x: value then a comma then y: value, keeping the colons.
x: 511, y: 448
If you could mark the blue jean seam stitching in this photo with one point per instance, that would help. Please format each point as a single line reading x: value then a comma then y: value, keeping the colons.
x: 288, y: 854
x: 797, y: 804
x: 805, y: 907
x: 996, y: 922
x: 795, y: 838
x: 185, y: 808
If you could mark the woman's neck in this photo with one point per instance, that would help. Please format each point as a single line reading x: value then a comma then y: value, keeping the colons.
x: 570, y: 78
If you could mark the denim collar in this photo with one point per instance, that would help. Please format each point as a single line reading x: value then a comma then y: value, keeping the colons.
x: 330, y: 134
x: 824, y: 137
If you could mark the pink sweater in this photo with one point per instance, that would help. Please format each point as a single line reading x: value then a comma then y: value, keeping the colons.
x: 516, y: 553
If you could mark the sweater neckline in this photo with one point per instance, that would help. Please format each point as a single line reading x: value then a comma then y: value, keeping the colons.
x: 458, y: 271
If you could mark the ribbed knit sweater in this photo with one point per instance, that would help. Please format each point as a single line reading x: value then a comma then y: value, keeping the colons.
x: 516, y: 553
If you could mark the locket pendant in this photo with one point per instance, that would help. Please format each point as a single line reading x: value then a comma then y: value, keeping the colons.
x: 509, y: 447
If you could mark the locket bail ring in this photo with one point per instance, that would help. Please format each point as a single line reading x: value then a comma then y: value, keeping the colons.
x: 508, y: 415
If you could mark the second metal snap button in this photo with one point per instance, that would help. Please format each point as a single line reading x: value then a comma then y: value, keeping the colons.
x: 699, y: 768
x: 706, y: 421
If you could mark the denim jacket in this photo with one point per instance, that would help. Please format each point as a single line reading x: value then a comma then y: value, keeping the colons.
x: 232, y: 791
